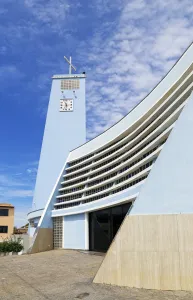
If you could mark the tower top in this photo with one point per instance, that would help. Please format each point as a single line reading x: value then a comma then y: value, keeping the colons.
x: 69, y: 61
x: 68, y: 76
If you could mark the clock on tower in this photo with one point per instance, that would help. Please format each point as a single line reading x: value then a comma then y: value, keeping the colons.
x: 66, y: 105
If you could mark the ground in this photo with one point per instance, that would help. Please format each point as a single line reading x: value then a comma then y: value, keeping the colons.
x: 62, y: 274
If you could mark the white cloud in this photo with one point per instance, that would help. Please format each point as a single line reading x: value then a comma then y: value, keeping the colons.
x: 148, y: 38
x: 176, y: 34
x: 17, y: 182
x: 10, y: 181
x: 18, y: 193
x: 52, y: 13
x: 32, y: 171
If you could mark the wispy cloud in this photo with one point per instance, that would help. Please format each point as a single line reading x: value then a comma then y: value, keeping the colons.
x: 14, y: 193
x: 51, y: 13
x: 10, y: 181
x: 32, y: 171
x: 125, y: 65
x: 14, y: 187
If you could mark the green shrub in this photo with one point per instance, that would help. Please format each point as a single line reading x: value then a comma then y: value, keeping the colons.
x: 16, y: 247
x: 5, y: 246
x: 11, y: 245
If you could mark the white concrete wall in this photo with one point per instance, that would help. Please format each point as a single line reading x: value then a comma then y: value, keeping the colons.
x: 76, y: 232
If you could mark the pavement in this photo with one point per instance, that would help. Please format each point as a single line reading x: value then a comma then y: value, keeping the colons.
x: 65, y: 274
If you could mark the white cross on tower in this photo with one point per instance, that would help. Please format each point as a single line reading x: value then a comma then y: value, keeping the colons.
x: 70, y: 64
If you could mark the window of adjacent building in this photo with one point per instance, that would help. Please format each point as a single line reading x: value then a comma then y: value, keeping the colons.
x: 4, y: 212
x: 3, y: 229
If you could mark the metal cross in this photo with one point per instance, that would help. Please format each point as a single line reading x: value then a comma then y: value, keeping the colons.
x: 70, y: 64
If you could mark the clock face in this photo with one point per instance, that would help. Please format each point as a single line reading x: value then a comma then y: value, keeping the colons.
x: 66, y: 105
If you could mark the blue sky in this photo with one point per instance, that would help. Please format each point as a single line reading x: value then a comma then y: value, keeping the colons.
x: 125, y: 47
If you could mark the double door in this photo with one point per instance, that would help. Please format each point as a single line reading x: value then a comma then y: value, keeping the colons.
x: 103, y: 226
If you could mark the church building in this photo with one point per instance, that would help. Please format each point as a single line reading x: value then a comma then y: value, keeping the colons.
x: 127, y: 192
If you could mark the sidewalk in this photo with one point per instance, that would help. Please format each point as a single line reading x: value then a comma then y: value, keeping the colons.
x: 61, y: 275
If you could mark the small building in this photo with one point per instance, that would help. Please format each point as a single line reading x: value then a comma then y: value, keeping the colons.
x: 6, y: 220
x: 21, y: 230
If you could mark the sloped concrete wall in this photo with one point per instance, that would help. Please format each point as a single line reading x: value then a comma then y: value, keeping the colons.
x: 152, y: 252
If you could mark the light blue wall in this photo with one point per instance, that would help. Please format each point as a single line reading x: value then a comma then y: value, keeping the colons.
x: 74, y: 231
x: 63, y: 132
x: 169, y: 186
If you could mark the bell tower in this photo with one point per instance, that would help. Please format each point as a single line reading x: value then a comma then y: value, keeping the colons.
x: 65, y: 129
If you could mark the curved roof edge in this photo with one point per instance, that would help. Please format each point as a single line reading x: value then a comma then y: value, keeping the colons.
x: 35, y: 213
x: 137, y: 112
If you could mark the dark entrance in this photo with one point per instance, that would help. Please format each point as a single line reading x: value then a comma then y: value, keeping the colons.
x: 103, y: 226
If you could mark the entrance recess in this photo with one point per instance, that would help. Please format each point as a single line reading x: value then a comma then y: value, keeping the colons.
x: 103, y: 226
